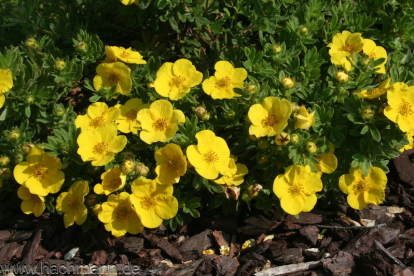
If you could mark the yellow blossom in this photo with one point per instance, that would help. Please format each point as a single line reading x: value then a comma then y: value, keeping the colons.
x: 112, y: 180
x: 303, y: 119
x: 100, y: 146
x: 224, y: 250
x: 153, y: 202
x: 31, y: 203
x: 72, y: 203
x: 226, y: 77
x: 110, y: 74
x: 375, y: 52
x: 41, y: 173
x: 237, y: 178
x: 114, y: 54
x: 98, y: 115
x: 211, y: 156
x: 130, y: 2
x: 288, y: 82
x: 174, y: 80
x: 127, y: 120
x: 119, y: 216
x: 296, y: 189
x: 270, y: 117
x: 249, y: 243
x: 160, y: 122
x: 375, y: 92
x: 171, y: 164
x: 327, y: 161
x: 344, y: 45
x: 401, y: 106
x: 6, y: 83
x: 363, y: 190
x: 410, y: 142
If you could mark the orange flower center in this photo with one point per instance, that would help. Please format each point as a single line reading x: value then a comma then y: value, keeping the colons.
x: 224, y: 82
x: 172, y: 165
x: 376, y: 91
x: 346, y: 48
x: 113, y: 78
x: 39, y: 171
x: 362, y: 186
x: 131, y: 115
x: 296, y: 189
x: 405, y: 109
x: 125, y: 55
x: 115, y: 183
x: 100, y: 148
x: 270, y: 121
x: 177, y: 81
x: 149, y: 202
x: 210, y: 157
x: 121, y: 213
x: 73, y: 203
x: 97, y: 122
x: 372, y: 55
x: 160, y: 125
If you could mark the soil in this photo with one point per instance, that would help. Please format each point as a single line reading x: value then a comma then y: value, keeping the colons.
x: 384, y: 245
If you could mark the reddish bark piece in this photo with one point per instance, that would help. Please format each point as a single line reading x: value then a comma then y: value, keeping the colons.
x: 343, y: 263
x: 111, y: 255
x: 222, y: 238
x: 226, y: 266
x: 293, y: 223
x: 165, y: 245
x: 325, y: 241
x: 377, y: 213
x: 189, y: 269
x: 276, y: 248
x: 249, y: 263
x: 333, y: 248
x: 193, y: 248
x: 290, y: 256
x: 404, y: 167
x: 406, y: 272
x: 8, y: 251
x: 28, y: 258
x: 397, y: 250
x: 311, y: 233
x: 124, y: 259
x: 131, y: 244
x: 4, y: 235
x: 99, y: 257
x: 312, y: 255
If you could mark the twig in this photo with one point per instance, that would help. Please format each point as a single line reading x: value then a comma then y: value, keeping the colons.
x: 282, y: 270
x: 352, y: 227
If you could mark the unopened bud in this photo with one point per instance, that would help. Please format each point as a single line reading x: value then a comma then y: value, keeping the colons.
x: 263, y: 144
x: 380, y: 110
x: 59, y: 110
x: 4, y: 161
x: 5, y: 174
x: 304, y: 30
x: 287, y: 82
x: 81, y: 47
x: 97, y: 209
x: 26, y: 148
x: 295, y: 107
x: 250, y: 89
x: 60, y: 65
x: 29, y: 100
x: 245, y: 196
x: 201, y: 113
x: 128, y: 166
x: 254, y: 190
x: 230, y: 115
x: 151, y: 85
x: 18, y: 157
x: 282, y: 138
x: 31, y: 42
x: 276, y: 49
x: 342, y: 77
x: 294, y: 138
x: 65, y: 165
x: 311, y: 147
x: 367, y: 114
x: 141, y: 169
x: 13, y: 135
x: 91, y: 200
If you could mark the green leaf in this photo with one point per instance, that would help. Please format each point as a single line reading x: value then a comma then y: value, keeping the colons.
x: 375, y: 133
x: 364, y: 130
x: 174, y: 24
x: 94, y: 98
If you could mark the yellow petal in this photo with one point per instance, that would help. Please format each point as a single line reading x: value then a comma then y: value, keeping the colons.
x: 167, y: 207
x: 223, y: 69
x: 356, y: 201
x: 292, y: 204
x: 6, y: 81
x: 22, y: 172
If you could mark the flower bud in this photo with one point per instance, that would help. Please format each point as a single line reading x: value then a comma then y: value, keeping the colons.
x: 59, y: 110
x: 91, y: 200
x: 81, y: 47
x: 295, y: 107
x: 128, y: 155
x: 380, y: 109
x: 5, y: 173
x: 13, y: 135
x: 294, y: 138
x: 253, y: 138
x: 311, y: 147
x: 254, y: 190
x: 128, y: 166
x: 18, y: 157
x: 151, y: 85
x: 230, y: 115
x: 246, y: 197
x: 31, y: 42
x: 276, y: 49
x: 26, y: 148
x: 97, y: 209
x: 282, y: 138
x: 201, y: 113
x: 342, y: 77
x: 367, y: 114
x: 141, y: 169
x: 288, y: 83
x: 304, y: 30
x: 263, y: 144
x: 29, y: 100
x: 250, y: 89
x: 65, y: 165
x: 60, y: 65
x: 4, y: 161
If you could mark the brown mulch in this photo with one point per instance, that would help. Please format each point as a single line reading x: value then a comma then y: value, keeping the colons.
x: 297, y: 248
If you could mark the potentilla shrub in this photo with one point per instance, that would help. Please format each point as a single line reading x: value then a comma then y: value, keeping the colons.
x: 138, y: 115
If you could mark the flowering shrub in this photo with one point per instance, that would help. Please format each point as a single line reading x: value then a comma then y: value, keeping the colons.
x: 166, y: 108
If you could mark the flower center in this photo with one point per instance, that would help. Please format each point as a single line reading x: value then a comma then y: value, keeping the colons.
x: 224, y: 82
x: 376, y: 91
x: 40, y: 171
x: 125, y: 55
x: 160, y: 125
x: 113, y: 78
x: 73, y: 203
x: 149, y: 202
x: 270, y: 121
x: 97, y: 122
x: 131, y: 115
x: 115, y: 183
x: 210, y: 157
x: 372, y: 55
x: 100, y: 148
x: 405, y: 109
x: 121, y: 213
x: 172, y: 165
x: 296, y: 189
x: 362, y: 186
x: 346, y: 48
x: 177, y: 81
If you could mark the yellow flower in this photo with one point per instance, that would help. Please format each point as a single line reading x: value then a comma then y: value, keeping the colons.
x: 211, y: 156
x: 171, y: 164
x: 127, y: 120
x: 303, y: 119
x: 31, y: 203
x: 226, y: 77
x: 110, y: 74
x: 376, y: 92
x: 160, y: 122
x: 6, y: 83
x: 130, y: 2
x: 119, y: 216
x: 375, y: 52
x: 296, y: 189
x: 113, y: 54
x: 363, y: 190
x: 98, y: 115
x: 174, y: 80
x: 401, y: 106
x: 72, y: 203
x: 41, y: 173
x: 100, y: 146
x: 327, y: 161
x: 410, y: 142
x: 112, y: 180
x: 344, y: 45
x: 270, y: 117
x: 153, y: 202
x: 237, y: 178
